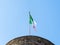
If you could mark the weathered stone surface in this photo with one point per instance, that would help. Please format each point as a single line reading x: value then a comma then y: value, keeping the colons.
x: 29, y: 40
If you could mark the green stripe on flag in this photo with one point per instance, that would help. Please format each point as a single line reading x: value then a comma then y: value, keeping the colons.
x: 30, y: 19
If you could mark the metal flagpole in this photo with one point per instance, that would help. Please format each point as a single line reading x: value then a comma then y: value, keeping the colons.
x: 29, y: 27
x: 29, y: 24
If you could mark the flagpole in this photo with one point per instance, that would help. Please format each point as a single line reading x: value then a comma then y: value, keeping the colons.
x: 29, y: 29
x: 29, y: 26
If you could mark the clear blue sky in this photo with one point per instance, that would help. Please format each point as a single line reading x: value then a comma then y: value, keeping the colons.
x: 14, y: 19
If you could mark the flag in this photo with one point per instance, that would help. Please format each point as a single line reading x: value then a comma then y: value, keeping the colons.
x: 31, y: 21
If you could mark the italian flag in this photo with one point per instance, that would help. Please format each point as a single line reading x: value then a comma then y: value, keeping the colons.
x: 32, y: 22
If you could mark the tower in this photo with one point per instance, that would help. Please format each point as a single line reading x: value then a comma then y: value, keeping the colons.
x: 29, y: 40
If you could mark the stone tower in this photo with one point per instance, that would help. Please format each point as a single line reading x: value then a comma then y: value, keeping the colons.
x: 29, y: 40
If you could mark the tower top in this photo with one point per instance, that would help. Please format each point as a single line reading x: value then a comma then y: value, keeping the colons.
x: 29, y: 40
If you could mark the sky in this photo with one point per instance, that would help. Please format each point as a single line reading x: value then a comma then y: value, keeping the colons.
x: 14, y: 19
